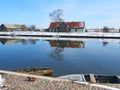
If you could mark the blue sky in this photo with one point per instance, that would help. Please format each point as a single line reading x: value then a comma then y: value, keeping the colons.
x: 95, y: 13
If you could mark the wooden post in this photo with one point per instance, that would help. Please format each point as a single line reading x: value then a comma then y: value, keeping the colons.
x: 92, y: 78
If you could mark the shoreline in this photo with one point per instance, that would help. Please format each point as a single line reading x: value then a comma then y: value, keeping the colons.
x: 62, y: 39
x: 18, y: 81
x: 63, y: 34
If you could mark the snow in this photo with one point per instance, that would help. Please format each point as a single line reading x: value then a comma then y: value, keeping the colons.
x: 85, y: 34
x: 1, y: 81
x: 97, y: 85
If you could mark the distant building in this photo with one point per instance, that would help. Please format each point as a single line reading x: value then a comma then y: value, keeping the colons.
x: 109, y: 30
x: 12, y: 27
x: 67, y: 27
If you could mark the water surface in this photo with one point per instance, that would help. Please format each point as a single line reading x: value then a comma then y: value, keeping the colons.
x: 64, y: 56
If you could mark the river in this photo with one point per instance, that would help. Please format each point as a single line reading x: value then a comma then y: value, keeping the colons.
x: 64, y: 56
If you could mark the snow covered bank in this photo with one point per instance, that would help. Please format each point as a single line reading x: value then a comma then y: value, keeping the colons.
x: 62, y: 34
x: 63, y: 38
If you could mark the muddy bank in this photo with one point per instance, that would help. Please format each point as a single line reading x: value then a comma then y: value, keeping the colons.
x: 18, y: 81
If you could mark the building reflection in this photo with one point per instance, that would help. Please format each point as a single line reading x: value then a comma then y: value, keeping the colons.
x: 66, y: 44
x: 59, y: 46
x: 14, y: 41
x: 9, y: 41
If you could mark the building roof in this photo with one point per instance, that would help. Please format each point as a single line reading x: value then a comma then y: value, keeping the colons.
x: 12, y: 25
x: 69, y: 24
x: 18, y: 26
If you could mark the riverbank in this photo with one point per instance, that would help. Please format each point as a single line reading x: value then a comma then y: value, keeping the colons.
x: 62, y: 34
x: 62, y: 39
x: 18, y: 81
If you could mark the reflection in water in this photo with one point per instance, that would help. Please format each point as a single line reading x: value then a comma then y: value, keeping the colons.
x: 105, y: 43
x: 9, y: 41
x: 14, y: 41
x: 56, y: 53
x: 59, y: 45
x: 66, y: 44
x: 73, y: 56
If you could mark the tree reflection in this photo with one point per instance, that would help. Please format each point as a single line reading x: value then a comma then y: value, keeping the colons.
x: 105, y: 44
x: 29, y: 41
x: 59, y: 46
x: 56, y: 53
x: 23, y: 41
x: 32, y: 41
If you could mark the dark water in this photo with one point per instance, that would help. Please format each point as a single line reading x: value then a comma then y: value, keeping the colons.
x: 65, y: 57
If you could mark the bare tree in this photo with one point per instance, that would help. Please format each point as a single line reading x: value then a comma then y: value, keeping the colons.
x: 32, y: 27
x: 24, y: 27
x: 105, y: 29
x: 56, y: 17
